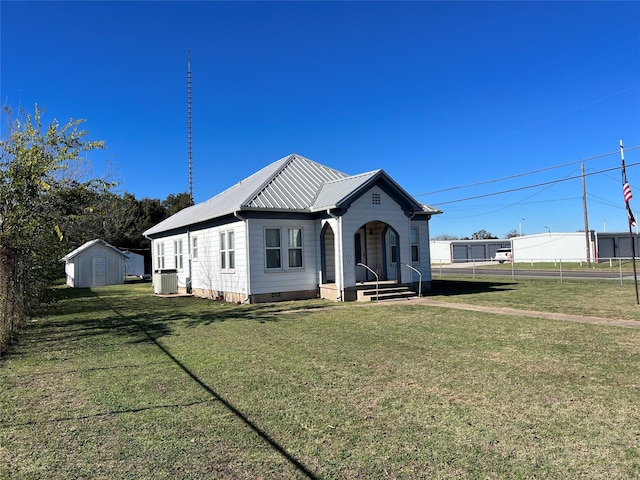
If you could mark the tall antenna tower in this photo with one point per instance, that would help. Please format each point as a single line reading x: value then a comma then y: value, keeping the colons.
x: 189, y: 131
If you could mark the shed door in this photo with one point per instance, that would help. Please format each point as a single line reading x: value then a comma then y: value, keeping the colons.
x: 99, y: 271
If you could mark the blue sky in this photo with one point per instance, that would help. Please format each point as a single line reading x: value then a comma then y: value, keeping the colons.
x: 439, y: 95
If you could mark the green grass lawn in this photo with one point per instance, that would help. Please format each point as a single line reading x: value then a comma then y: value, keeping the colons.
x: 118, y: 383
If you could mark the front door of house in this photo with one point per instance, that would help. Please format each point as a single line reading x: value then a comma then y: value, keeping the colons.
x: 360, y: 255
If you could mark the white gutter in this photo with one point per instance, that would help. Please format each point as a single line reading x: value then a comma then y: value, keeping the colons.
x: 247, y: 254
x: 190, y: 269
x: 339, y: 278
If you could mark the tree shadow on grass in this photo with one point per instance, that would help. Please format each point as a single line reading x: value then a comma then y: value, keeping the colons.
x: 91, y: 314
x: 261, y: 313
x: 71, y: 317
x: 449, y: 288
x: 146, y: 328
x: 79, y: 313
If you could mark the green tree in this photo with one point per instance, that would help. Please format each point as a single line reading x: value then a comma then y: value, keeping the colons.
x: 176, y: 202
x: 446, y: 236
x: 482, y: 235
x: 36, y: 163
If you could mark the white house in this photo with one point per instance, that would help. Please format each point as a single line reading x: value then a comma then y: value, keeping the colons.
x: 94, y: 264
x: 297, y: 229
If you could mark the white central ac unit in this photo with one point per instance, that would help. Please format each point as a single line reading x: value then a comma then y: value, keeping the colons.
x: 165, y: 282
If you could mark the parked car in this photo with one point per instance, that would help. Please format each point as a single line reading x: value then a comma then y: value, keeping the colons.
x: 503, y: 255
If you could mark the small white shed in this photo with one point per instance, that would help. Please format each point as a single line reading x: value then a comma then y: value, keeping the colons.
x: 94, y: 264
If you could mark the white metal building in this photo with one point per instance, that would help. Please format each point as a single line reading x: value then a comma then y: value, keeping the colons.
x: 541, y: 247
x: 461, y: 251
x: 134, y: 264
x: 549, y: 247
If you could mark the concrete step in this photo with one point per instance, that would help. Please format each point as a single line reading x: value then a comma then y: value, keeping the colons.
x: 386, y: 293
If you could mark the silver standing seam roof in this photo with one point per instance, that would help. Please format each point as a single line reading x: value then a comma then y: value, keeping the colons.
x: 293, y: 184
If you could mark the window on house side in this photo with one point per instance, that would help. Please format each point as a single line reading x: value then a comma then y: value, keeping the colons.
x: 160, y: 255
x: 231, y: 252
x: 415, y: 247
x: 295, y: 248
x: 194, y: 248
x: 177, y: 251
x: 272, y: 247
x: 223, y: 250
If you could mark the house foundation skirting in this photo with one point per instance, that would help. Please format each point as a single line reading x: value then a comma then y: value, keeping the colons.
x: 284, y: 296
x: 326, y: 292
x: 235, y: 297
x: 232, y: 297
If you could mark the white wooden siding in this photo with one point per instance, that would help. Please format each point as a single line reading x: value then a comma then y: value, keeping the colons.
x: 363, y: 211
x: 424, y: 251
x: 206, y: 272
x: 283, y: 280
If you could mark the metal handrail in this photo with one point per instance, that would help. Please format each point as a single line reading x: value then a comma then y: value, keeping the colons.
x: 420, y: 281
x: 376, y: 275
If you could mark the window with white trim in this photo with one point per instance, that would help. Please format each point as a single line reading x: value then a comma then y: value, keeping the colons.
x: 194, y: 248
x: 295, y: 247
x: 227, y: 250
x: 415, y: 245
x: 177, y: 252
x: 272, y: 248
x: 160, y: 255
x: 283, y: 253
x: 231, y: 251
x: 223, y: 250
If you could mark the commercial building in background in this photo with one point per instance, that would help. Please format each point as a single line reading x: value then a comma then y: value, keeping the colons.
x: 542, y: 247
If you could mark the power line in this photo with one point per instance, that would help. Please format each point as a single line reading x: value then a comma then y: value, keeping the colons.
x: 533, y: 186
x: 485, y: 182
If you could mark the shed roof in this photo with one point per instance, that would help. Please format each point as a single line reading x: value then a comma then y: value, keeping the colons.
x: 86, y: 246
x: 293, y: 183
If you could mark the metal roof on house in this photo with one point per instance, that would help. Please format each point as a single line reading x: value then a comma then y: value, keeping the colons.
x: 333, y: 193
x: 293, y: 183
x: 88, y: 245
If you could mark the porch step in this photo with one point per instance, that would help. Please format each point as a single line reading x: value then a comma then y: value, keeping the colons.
x: 396, y: 292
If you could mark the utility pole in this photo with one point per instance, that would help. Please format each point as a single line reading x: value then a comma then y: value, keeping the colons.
x: 189, y: 136
x: 586, y: 218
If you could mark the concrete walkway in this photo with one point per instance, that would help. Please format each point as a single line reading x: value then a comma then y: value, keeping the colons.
x: 529, y: 313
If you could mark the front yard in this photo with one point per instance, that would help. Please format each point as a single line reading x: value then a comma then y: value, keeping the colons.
x: 118, y: 383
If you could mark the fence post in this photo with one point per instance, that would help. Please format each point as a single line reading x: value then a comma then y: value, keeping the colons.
x: 620, y: 262
x: 560, y: 270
